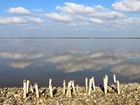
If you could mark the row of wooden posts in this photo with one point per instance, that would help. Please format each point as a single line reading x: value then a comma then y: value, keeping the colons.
x: 71, y: 87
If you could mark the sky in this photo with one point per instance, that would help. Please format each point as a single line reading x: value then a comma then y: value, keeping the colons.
x: 69, y: 18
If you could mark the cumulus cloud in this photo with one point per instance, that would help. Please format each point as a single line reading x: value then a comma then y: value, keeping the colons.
x: 58, y: 17
x: 107, y: 14
x: 130, y: 70
x: 127, y: 21
x: 71, y: 16
x: 25, y: 56
x: 5, y: 20
x: 19, y: 19
x: 18, y: 10
x: 74, y: 15
x: 95, y: 20
x: 33, y: 19
x: 72, y: 8
x: 127, y: 5
x: 81, y: 15
x: 19, y: 64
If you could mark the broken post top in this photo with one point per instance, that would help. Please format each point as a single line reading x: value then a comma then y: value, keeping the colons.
x: 28, y: 80
x: 50, y: 82
x: 24, y: 80
x: 106, y: 76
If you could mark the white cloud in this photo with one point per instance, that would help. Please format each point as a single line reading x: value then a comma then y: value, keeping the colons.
x: 19, y: 65
x: 95, y: 20
x: 58, y: 17
x: 127, y: 5
x: 107, y: 15
x: 19, y: 19
x: 69, y: 16
x: 33, y: 19
x: 73, y: 8
x: 5, y: 20
x: 81, y: 15
x: 18, y: 10
x: 127, y: 22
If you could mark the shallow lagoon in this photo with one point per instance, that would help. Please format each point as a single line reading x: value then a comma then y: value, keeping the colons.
x: 41, y: 59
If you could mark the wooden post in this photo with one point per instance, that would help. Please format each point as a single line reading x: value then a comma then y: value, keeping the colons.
x: 64, y: 87
x: 73, y: 87
x: 118, y: 87
x: 90, y: 85
x: 50, y: 88
x: 93, y: 83
x: 105, y: 85
x: 86, y: 83
x: 106, y: 79
x: 77, y: 89
x: 69, y: 89
x: 31, y: 88
x: 36, y: 89
x: 28, y: 82
x: 24, y: 89
x: 114, y: 78
x: 67, y: 92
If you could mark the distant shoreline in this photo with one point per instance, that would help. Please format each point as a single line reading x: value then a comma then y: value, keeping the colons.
x: 69, y: 37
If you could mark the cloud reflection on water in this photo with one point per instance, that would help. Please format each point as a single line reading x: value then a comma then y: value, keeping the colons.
x: 98, y: 61
x: 74, y: 61
x: 78, y: 62
x: 130, y: 70
x: 20, y: 60
x: 20, y: 65
x: 18, y: 55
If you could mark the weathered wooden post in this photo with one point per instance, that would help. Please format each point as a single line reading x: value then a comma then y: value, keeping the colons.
x: 77, y: 89
x: 106, y: 79
x: 50, y: 88
x: 86, y: 83
x: 24, y: 89
x: 90, y: 85
x: 70, y: 92
x: 36, y: 89
x: 73, y: 87
x: 28, y: 82
x: 31, y: 88
x: 105, y: 84
x: 69, y: 89
x: 118, y: 87
x: 67, y: 92
x: 64, y: 86
x: 114, y: 78
x: 93, y: 83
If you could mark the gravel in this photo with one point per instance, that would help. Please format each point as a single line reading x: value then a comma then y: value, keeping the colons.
x: 130, y: 95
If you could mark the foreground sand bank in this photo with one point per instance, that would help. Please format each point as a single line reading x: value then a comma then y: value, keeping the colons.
x: 129, y: 95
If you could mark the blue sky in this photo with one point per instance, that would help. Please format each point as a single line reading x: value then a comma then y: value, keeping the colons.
x: 69, y: 18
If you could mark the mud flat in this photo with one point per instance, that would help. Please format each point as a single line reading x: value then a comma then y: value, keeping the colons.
x: 129, y: 95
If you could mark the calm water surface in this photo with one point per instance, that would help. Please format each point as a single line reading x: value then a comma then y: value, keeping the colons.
x: 41, y: 59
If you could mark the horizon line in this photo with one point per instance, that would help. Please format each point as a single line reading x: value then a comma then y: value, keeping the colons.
x: 68, y: 37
